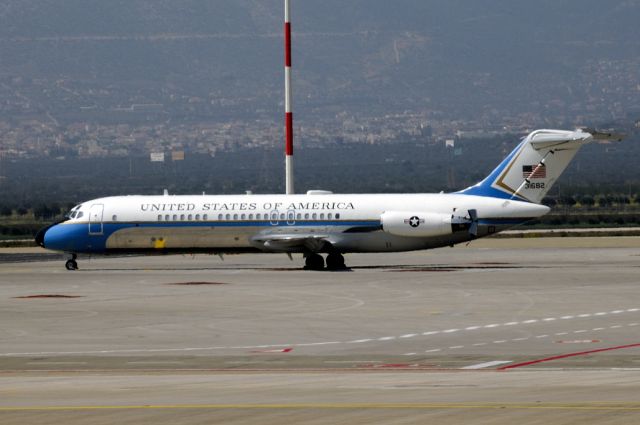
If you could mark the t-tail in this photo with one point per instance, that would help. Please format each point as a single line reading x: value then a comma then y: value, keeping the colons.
x: 534, y: 166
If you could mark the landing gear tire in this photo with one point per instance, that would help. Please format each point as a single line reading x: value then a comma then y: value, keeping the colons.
x: 335, y: 261
x: 71, y: 265
x: 314, y: 262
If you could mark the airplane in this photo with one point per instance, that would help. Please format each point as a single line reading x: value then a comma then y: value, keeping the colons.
x: 320, y: 222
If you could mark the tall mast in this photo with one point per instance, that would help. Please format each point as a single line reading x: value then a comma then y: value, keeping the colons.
x: 288, y: 119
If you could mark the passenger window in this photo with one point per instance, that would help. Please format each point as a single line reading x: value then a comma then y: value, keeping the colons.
x: 167, y: 217
x: 190, y: 217
x: 250, y: 216
x: 306, y: 216
x: 321, y: 216
x: 159, y: 217
x: 282, y: 216
x: 220, y: 217
x: 243, y: 216
x: 228, y: 216
x: 314, y: 216
x: 197, y: 217
x: 80, y: 214
x: 205, y: 217
x: 298, y: 216
x: 258, y: 216
x: 329, y: 216
x: 337, y: 216
x: 175, y: 217
x: 235, y: 216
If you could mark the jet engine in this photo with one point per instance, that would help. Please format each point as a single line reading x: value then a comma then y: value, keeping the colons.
x: 417, y: 224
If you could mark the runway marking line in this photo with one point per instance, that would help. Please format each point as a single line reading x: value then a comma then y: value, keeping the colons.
x: 380, y: 339
x: 633, y: 406
x: 487, y: 364
x: 564, y: 356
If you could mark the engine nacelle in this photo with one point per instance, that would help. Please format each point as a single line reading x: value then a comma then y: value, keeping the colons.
x: 416, y: 224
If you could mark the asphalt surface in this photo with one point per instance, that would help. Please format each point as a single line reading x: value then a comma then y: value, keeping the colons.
x: 502, y: 331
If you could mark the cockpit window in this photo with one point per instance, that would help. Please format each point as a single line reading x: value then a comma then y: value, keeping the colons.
x: 75, y: 212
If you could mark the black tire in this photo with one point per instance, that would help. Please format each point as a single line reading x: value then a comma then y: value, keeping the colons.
x: 71, y: 265
x: 335, y: 261
x: 314, y: 262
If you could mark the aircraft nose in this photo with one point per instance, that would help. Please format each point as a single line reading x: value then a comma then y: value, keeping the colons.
x: 40, y: 235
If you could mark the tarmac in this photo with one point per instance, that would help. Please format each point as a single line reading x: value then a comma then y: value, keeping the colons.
x: 498, y: 331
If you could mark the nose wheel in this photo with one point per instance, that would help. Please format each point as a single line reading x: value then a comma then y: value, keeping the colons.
x: 71, y: 263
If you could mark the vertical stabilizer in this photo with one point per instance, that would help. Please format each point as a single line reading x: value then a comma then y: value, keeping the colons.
x: 533, y: 167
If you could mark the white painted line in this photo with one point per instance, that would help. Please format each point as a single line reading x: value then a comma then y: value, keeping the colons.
x: 567, y: 317
x: 449, y: 331
x: 511, y: 323
x: 631, y: 310
x: 311, y: 344
x: 617, y: 311
x: 479, y: 344
x: 386, y: 338
x: 487, y: 364
x: 632, y: 324
x: 542, y: 336
x: 597, y: 329
x: 411, y: 354
x: 615, y: 326
x: 519, y: 339
x: 430, y: 333
x: 493, y: 325
x: 409, y: 336
x: 526, y: 322
x: 456, y: 347
x: 51, y: 363
x: 562, y: 333
x: 500, y: 341
x: 549, y: 319
x: 601, y: 313
x: 580, y: 331
x: 359, y: 341
x: 584, y: 315
x: 472, y: 328
x: 435, y: 350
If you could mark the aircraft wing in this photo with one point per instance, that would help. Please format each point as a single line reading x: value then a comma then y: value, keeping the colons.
x: 290, y: 242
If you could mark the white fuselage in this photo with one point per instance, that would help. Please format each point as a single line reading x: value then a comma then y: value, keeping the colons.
x: 279, y: 223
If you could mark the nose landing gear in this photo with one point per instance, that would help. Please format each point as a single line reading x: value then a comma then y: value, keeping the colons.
x: 71, y: 263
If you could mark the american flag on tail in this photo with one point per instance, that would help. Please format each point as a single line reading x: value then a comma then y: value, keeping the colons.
x: 534, y: 171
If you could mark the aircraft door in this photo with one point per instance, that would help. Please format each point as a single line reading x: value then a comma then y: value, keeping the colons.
x: 95, y: 219
x: 273, y: 218
x: 291, y: 217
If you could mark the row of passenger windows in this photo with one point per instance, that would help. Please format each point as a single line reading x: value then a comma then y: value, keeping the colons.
x: 251, y: 216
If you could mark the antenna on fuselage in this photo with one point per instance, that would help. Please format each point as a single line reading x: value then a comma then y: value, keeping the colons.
x: 288, y: 114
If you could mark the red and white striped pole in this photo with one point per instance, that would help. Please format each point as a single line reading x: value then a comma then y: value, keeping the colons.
x: 288, y: 119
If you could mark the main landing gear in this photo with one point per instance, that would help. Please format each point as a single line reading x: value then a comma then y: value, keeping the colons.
x: 335, y: 261
x: 71, y: 263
